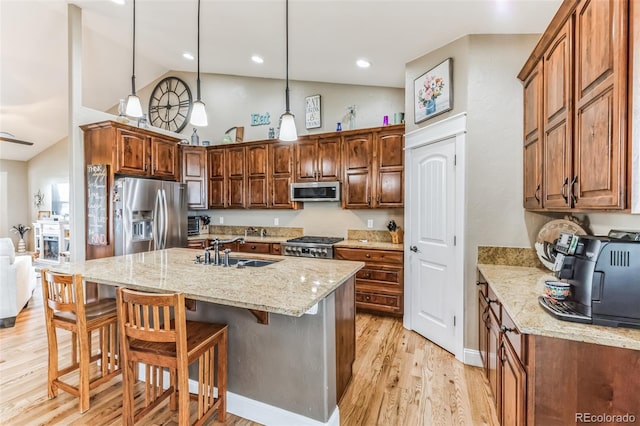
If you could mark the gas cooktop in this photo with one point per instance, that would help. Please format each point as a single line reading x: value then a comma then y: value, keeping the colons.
x: 315, y: 240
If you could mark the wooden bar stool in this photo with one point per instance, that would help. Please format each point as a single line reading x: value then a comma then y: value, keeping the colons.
x: 154, y: 331
x: 64, y: 308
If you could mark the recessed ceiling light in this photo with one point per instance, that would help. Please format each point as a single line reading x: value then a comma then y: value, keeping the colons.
x: 120, y: 2
x: 363, y: 63
x: 188, y: 56
x: 257, y: 59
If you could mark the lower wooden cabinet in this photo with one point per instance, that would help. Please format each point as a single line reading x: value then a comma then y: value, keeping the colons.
x: 249, y: 247
x: 198, y: 244
x: 380, y: 284
x: 547, y: 381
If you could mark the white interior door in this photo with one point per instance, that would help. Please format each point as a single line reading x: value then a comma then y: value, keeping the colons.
x: 431, y: 226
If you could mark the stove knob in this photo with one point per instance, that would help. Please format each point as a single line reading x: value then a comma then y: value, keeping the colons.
x: 324, y: 253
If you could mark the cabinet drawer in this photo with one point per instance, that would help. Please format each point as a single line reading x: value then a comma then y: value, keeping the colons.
x: 196, y: 244
x: 387, y: 275
x: 513, y: 335
x: 264, y: 248
x: 382, y: 256
x: 231, y: 246
x: 379, y: 302
x: 276, y: 248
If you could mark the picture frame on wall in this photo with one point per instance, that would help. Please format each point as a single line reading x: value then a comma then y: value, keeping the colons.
x: 433, y: 91
x: 313, y: 112
x: 44, y: 214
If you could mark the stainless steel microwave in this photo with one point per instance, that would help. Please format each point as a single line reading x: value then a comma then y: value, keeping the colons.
x: 315, y: 191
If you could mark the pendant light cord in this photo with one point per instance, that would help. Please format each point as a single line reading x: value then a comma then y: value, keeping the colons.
x: 287, y: 53
x: 133, y: 75
x: 198, y: 83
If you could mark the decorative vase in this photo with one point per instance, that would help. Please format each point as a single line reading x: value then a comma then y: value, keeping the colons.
x: 430, y: 107
x: 21, y: 246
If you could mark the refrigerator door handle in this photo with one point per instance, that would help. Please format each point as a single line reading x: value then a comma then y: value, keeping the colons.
x: 157, y: 218
x: 165, y: 218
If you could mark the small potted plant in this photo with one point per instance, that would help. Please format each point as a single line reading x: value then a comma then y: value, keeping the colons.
x: 20, y: 229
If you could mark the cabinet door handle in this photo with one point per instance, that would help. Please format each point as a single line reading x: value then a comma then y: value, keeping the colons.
x: 480, y: 283
x: 378, y: 199
x: 146, y: 167
x: 367, y: 275
x: 535, y: 194
x: 253, y: 247
x: 367, y: 255
x: 489, y: 301
x: 574, y: 198
x: 369, y: 201
x: 562, y: 191
x: 506, y: 329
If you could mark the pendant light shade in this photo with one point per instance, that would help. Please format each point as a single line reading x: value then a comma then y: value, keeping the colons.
x: 288, y: 132
x: 198, y: 113
x: 134, y: 108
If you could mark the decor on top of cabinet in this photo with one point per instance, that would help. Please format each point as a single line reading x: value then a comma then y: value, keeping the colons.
x: 351, y: 116
x: 548, y: 236
x: 170, y: 104
x: 312, y: 112
x: 433, y: 91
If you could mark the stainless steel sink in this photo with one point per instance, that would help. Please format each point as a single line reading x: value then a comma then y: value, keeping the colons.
x: 253, y: 263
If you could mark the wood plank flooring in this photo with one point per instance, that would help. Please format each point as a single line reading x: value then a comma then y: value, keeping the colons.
x: 400, y: 378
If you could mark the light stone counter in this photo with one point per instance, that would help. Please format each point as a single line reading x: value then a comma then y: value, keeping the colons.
x: 290, y: 286
x: 374, y: 245
x: 518, y: 289
x: 249, y: 239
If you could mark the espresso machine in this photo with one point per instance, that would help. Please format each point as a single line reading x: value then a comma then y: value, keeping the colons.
x: 604, y: 274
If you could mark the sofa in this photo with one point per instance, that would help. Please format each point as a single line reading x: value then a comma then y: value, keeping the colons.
x: 17, y: 282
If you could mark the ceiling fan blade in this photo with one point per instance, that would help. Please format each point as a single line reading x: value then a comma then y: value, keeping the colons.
x: 6, y: 139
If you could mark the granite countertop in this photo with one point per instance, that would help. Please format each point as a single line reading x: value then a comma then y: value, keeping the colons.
x: 249, y: 239
x: 374, y: 245
x: 290, y: 286
x: 518, y: 289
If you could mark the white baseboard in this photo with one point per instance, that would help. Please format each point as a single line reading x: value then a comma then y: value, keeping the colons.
x: 257, y: 411
x: 472, y: 357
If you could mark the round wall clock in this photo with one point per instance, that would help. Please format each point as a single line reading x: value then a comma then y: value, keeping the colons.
x: 170, y: 104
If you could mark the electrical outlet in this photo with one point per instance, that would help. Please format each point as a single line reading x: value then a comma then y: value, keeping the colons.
x: 276, y: 221
x: 221, y: 220
x: 370, y: 223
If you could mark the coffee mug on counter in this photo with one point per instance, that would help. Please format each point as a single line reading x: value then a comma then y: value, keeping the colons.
x: 398, y: 118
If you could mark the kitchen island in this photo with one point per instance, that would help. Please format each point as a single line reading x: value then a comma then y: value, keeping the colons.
x: 291, y: 370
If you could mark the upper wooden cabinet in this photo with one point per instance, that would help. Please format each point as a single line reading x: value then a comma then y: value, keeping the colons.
x: 374, y: 169
x: 194, y: 175
x: 254, y: 175
x: 146, y: 155
x: 532, y: 167
x: 584, y: 108
x: 318, y: 159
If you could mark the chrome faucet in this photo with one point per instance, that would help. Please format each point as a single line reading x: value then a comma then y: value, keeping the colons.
x: 216, y: 248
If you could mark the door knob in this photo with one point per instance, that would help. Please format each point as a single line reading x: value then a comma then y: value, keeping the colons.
x: 414, y: 249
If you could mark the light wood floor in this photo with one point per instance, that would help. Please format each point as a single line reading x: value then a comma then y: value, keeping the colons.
x: 400, y: 378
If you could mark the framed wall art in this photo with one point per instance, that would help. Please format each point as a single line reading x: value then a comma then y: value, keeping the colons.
x: 433, y: 92
x: 312, y: 112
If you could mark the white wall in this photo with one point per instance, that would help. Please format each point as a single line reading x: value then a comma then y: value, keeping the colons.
x: 231, y: 100
x: 14, y: 198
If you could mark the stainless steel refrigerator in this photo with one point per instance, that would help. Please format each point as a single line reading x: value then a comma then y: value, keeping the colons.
x: 149, y: 215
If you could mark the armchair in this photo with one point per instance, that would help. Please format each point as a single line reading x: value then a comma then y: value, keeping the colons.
x: 17, y: 282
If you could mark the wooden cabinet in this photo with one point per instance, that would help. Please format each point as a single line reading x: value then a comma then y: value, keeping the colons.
x: 252, y: 247
x: 197, y: 244
x: 276, y: 248
x: 146, y: 155
x: 257, y: 176
x: 217, y: 185
x: 194, y: 175
x: 380, y: 284
x: 374, y: 169
x: 254, y: 175
x: 235, y: 176
x: 585, y: 149
x: 532, y: 165
x: 318, y: 159
x: 513, y: 385
x: 281, y: 173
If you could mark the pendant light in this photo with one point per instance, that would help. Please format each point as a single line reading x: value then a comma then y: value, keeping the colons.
x: 288, y: 131
x: 134, y: 108
x: 198, y: 114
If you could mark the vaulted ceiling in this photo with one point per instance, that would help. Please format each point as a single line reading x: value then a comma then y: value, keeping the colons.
x: 326, y: 38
